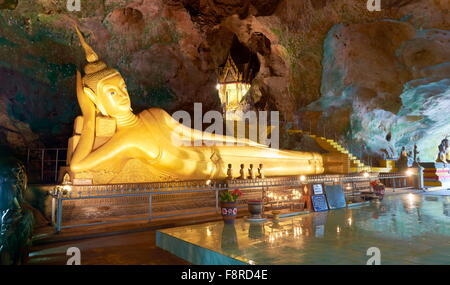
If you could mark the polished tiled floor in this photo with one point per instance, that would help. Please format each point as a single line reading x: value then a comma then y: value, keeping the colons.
x: 136, y: 248
x: 407, y: 229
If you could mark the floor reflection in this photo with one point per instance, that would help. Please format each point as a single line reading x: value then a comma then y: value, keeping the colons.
x: 408, y: 229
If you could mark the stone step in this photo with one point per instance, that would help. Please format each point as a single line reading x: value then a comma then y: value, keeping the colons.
x: 295, y: 131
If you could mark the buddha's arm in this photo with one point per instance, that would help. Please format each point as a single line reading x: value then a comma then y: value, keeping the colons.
x: 196, y: 135
x: 122, y: 146
x: 106, y: 153
x: 84, y: 147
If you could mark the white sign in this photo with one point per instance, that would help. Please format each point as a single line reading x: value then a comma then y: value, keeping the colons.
x: 317, y: 189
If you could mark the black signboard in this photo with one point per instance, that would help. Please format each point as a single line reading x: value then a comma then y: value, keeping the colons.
x: 319, y: 203
x: 335, y: 196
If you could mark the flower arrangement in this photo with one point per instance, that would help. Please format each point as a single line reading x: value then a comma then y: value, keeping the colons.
x: 230, y: 197
x: 378, y: 188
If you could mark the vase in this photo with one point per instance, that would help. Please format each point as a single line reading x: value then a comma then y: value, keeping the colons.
x: 255, y: 208
x: 229, y: 212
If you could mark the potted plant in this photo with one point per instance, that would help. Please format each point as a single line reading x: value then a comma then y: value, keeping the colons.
x: 378, y: 188
x: 228, y: 204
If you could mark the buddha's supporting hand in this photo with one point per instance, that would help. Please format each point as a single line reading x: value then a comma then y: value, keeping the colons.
x: 86, y: 143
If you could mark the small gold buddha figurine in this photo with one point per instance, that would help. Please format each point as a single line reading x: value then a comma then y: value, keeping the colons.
x: 261, y: 171
x: 111, y: 144
x: 251, y: 172
x: 242, y: 172
x: 230, y: 171
x: 444, y: 150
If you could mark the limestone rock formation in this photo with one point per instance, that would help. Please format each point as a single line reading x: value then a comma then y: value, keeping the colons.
x: 393, y: 81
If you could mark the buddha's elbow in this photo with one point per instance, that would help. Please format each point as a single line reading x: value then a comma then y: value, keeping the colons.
x: 75, y: 167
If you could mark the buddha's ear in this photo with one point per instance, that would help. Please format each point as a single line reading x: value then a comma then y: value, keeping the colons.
x: 91, y: 95
x: 86, y: 105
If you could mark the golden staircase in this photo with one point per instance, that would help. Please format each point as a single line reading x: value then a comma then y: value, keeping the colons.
x: 332, y: 146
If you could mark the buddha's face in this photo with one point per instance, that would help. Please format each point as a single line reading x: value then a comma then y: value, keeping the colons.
x: 113, y: 95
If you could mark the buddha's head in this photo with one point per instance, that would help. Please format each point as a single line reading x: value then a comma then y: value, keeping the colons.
x: 103, y: 85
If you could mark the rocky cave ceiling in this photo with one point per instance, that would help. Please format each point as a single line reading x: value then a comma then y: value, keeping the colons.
x: 331, y: 64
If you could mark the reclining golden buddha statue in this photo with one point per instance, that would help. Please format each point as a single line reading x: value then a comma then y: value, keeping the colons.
x: 113, y: 145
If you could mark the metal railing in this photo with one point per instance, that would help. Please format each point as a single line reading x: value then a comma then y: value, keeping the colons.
x: 396, y: 181
x: 43, y: 164
x: 148, y: 201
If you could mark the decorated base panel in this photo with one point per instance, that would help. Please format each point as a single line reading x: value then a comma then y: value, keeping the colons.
x: 436, y: 174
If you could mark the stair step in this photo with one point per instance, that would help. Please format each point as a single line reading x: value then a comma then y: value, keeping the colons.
x: 357, y: 162
x: 358, y: 169
x: 295, y: 131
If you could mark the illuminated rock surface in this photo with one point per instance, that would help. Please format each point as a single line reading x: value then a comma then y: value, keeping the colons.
x: 394, y: 83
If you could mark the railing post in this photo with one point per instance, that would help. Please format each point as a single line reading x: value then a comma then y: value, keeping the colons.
x: 42, y: 165
x: 420, y: 178
x: 217, y: 200
x: 56, y: 165
x: 393, y: 186
x: 150, y: 206
x: 263, y: 189
x: 59, y: 215
x: 53, y: 211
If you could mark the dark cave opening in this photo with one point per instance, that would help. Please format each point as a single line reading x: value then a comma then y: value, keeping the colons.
x: 246, y: 61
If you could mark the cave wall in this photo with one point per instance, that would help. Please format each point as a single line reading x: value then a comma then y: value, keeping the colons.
x: 169, y: 51
x: 385, y: 85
